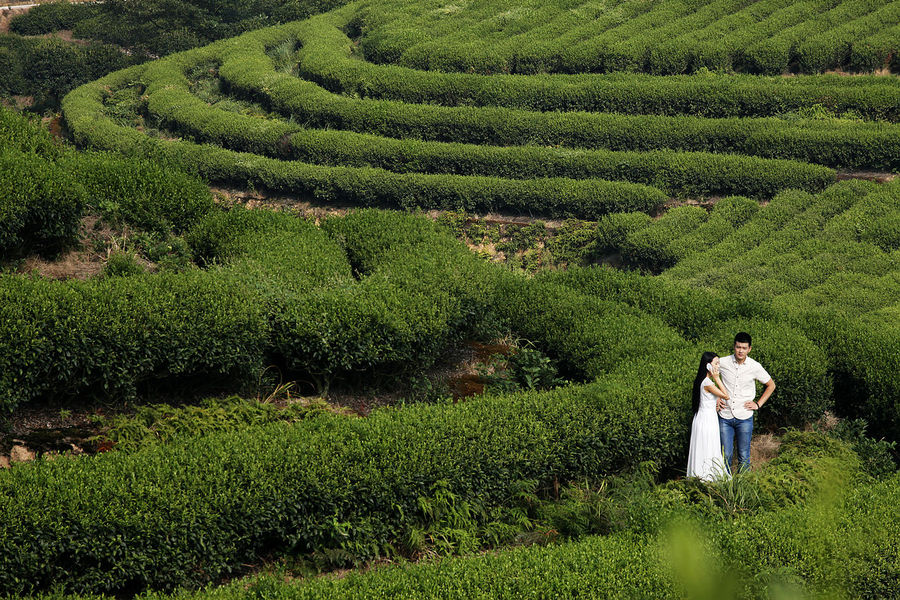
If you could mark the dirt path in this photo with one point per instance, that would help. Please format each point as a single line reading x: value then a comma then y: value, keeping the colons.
x: 877, y: 177
x: 6, y: 15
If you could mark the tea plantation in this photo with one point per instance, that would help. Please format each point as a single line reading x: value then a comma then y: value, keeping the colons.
x: 729, y: 180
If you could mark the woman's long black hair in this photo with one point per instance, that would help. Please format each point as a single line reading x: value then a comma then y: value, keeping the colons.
x: 702, y: 374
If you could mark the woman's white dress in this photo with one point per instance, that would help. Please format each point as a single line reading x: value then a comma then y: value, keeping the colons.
x: 705, y: 458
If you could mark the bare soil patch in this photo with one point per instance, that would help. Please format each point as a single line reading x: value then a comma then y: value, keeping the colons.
x: 877, y: 177
x: 763, y: 448
x: 84, y: 261
x: 7, y: 14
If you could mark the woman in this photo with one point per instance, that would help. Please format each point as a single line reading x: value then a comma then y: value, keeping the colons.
x: 705, y: 455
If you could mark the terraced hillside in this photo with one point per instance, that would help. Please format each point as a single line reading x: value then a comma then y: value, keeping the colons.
x: 828, y: 264
x: 667, y: 37
x: 560, y: 109
x: 298, y: 108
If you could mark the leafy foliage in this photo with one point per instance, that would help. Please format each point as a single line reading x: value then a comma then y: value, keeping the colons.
x: 49, y: 68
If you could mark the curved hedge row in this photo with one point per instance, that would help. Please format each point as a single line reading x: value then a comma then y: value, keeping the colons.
x: 796, y: 544
x: 247, y: 70
x: 48, y: 68
x: 823, y: 42
x: 284, y: 292
x: 51, y: 187
x: 363, y: 186
x: 759, y: 37
x: 338, y: 483
x: 189, y: 513
x: 327, y: 57
x: 678, y: 173
x: 684, y: 231
x: 41, y: 206
x: 459, y: 157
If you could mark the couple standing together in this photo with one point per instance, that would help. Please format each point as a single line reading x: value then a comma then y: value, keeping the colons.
x: 723, y: 407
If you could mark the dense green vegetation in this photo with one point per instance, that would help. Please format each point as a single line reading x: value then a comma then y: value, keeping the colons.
x: 162, y: 27
x: 293, y: 109
x: 48, y: 69
x: 825, y: 263
x: 330, y: 57
x: 667, y: 540
x: 666, y: 38
x: 52, y: 186
x: 291, y: 299
x: 554, y: 109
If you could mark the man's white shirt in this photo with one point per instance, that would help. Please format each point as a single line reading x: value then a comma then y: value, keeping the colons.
x: 740, y: 382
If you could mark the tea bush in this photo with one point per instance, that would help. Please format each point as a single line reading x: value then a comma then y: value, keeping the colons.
x: 50, y: 17
x: 143, y: 193
x: 161, y: 27
x: 47, y: 69
x: 340, y: 483
x: 277, y: 289
x: 41, y: 207
x: 362, y: 186
x: 675, y: 172
x: 825, y: 266
x: 817, y: 509
x: 327, y: 57
x: 665, y: 38
x: 688, y: 310
x: 248, y: 71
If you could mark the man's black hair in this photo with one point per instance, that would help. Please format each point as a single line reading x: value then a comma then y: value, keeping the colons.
x: 743, y: 338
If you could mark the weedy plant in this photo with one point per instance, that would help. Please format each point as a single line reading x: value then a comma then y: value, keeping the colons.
x: 520, y: 369
x: 121, y: 263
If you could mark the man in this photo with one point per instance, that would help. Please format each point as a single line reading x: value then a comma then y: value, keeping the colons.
x: 739, y: 375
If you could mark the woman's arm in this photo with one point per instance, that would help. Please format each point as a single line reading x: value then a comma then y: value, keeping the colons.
x: 719, y: 388
x: 715, y: 391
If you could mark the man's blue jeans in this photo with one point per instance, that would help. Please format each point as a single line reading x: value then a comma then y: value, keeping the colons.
x: 738, y: 431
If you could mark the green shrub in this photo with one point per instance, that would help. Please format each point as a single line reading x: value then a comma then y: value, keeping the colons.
x: 341, y: 483
x: 875, y: 52
x: 648, y: 248
x: 374, y: 187
x: 590, y: 336
x: 801, y: 547
x: 278, y: 288
x: 54, y: 67
x: 327, y: 58
x: 162, y: 423
x: 143, y: 193
x: 12, y: 74
x: 121, y: 264
x: 248, y: 73
x: 20, y: 133
x: 876, y: 456
x: 40, y: 210
x: 612, y: 230
x: 106, y: 336
x: 688, y: 310
x: 50, y: 17
x: 675, y: 172
x: 522, y: 369
x: 667, y: 37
